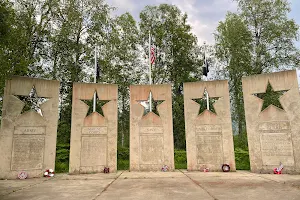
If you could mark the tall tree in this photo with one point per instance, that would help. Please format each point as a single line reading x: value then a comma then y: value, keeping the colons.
x: 119, y: 64
x: 258, y: 39
x: 72, y: 52
x: 273, y: 33
x: 233, y: 49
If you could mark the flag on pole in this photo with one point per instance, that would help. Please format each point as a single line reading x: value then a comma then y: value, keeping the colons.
x: 98, y: 71
x: 205, y: 66
x: 152, y: 53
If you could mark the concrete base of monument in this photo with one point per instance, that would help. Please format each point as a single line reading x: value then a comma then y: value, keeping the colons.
x: 155, y: 185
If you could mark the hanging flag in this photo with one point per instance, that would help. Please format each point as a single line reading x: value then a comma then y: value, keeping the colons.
x: 97, y: 71
x: 205, y: 67
x: 152, y: 58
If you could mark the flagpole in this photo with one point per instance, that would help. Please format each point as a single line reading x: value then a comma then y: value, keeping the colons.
x: 205, y: 60
x: 150, y: 78
x: 95, y: 80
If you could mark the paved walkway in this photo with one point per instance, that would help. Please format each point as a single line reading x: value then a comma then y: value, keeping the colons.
x: 155, y: 186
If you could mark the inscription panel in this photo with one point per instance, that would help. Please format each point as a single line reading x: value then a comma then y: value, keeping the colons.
x: 93, y: 151
x: 28, y: 152
x: 207, y: 128
x: 100, y: 130
x: 276, y: 148
x: 30, y: 130
x: 275, y: 126
x: 152, y: 130
x: 209, y: 149
x: 152, y: 149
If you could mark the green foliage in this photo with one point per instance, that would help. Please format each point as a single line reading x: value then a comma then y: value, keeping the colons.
x: 178, y: 122
x: 259, y: 38
x: 123, y: 158
x: 203, y: 104
x: 241, y: 151
x: 242, y: 159
x: 233, y: 49
x: 62, y: 158
x: 270, y: 97
x: 180, y: 159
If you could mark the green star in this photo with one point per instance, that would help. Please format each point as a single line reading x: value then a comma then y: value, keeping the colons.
x: 32, y: 102
x: 203, y: 103
x: 146, y: 104
x: 99, y: 105
x: 270, y: 97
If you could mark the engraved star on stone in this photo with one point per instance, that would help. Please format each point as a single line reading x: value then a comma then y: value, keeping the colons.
x: 203, y: 103
x: 146, y: 104
x: 99, y: 104
x: 32, y: 102
x: 270, y: 97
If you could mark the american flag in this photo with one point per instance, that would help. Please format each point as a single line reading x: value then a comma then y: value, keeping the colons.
x: 152, y: 58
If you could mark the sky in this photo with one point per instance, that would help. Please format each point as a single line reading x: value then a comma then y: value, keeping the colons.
x: 204, y: 15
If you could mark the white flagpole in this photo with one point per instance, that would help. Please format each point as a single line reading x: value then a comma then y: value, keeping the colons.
x: 150, y: 78
x: 95, y: 80
x: 207, y: 97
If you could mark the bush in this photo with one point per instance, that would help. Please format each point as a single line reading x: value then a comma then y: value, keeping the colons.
x: 180, y: 159
x: 62, y: 158
x: 123, y: 158
x: 241, y: 151
x: 242, y: 159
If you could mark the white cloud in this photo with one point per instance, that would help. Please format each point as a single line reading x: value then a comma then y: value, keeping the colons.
x: 124, y: 5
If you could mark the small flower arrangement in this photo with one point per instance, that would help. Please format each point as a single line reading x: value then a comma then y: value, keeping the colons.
x: 49, y: 173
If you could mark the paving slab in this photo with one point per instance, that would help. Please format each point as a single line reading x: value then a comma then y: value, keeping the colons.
x: 245, y: 186
x: 155, y: 185
x: 61, y: 189
x: 154, y: 189
x: 10, y: 186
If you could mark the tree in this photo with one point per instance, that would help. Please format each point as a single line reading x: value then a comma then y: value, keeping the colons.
x: 71, y: 51
x: 233, y: 49
x: 119, y: 64
x: 273, y: 34
x: 258, y: 39
x: 177, y: 60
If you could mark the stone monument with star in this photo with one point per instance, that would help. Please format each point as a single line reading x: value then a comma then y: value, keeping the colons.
x: 93, y: 145
x: 272, y: 111
x: 28, y: 127
x: 151, y: 129
x: 209, y: 140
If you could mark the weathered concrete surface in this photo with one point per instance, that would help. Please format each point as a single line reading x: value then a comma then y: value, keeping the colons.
x: 273, y: 133
x: 28, y: 140
x: 209, y: 140
x: 151, y: 136
x: 155, y: 185
x: 93, y: 143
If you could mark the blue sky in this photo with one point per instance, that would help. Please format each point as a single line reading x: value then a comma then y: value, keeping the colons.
x: 204, y: 15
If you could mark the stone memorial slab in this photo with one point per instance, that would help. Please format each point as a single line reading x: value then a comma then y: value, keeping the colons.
x: 273, y: 127
x: 28, y: 133
x: 94, y: 135
x: 151, y: 133
x: 209, y: 140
